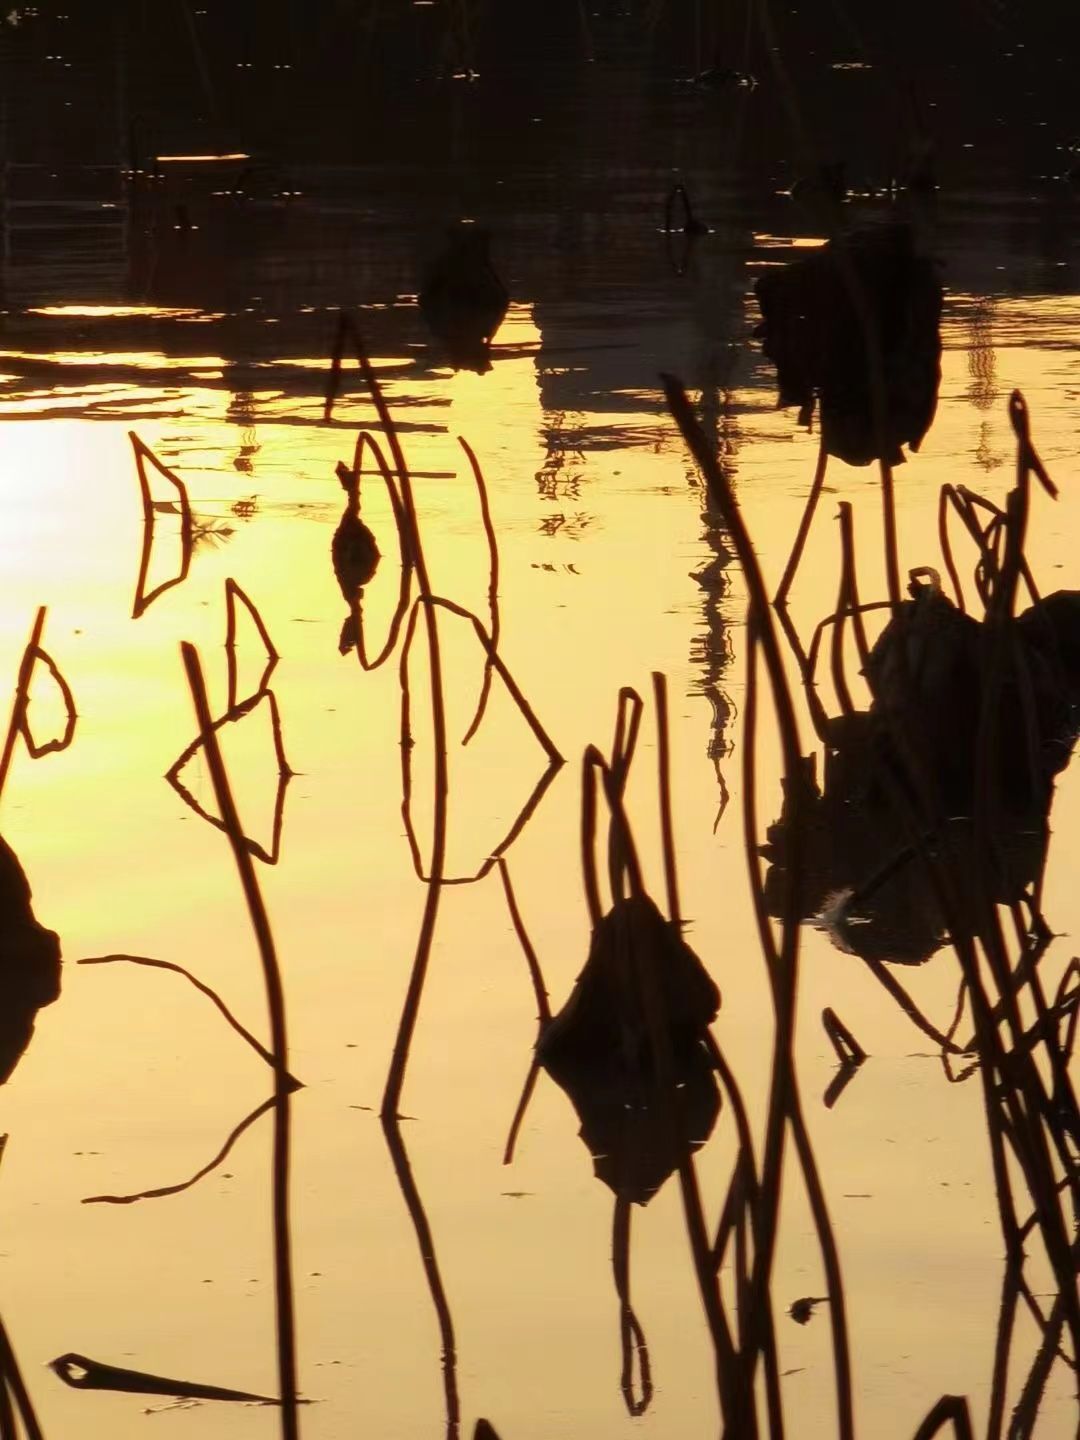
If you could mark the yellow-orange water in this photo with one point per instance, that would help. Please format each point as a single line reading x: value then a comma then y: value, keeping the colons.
x: 133, y: 1080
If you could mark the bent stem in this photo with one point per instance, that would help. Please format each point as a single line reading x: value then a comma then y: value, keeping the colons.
x: 17, y: 722
x: 493, y: 584
x: 234, y: 593
x: 144, y: 456
x: 212, y: 995
x: 794, y: 559
x: 366, y: 441
x: 632, y: 1341
x: 219, y: 1159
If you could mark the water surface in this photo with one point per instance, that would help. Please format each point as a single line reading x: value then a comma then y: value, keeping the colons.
x: 211, y: 342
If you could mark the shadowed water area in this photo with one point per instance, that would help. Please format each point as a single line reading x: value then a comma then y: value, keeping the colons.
x: 517, y: 980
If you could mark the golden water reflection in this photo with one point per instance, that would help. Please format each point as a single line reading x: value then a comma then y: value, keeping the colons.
x: 133, y: 1080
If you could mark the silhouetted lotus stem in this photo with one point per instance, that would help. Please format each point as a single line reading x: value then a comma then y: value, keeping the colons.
x: 19, y: 723
x: 14, y: 1388
x: 160, y: 1192
x: 493, y: 659
x: 144, y: 456
x: 679, y: 214
x: 152, y: 964
x: 493, y: 584
x: 632, y: 1340
x: 234, y: 716
x: 234, y: 593
x: 283, y: 1081
x: 949, y: 1410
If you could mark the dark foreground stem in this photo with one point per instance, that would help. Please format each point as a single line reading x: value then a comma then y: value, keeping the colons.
x: 410, y: 1193
x: 283, y: 1082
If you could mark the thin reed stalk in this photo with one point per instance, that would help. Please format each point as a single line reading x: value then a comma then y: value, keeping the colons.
x: 632, y: 1341
x: 621, y: 853
x: 782, y: 961
x: 367, y: 441
x: 949, y: 1410
x: 233, y: 594
x: 219, y: 1159
x: 520, y: 1111
x: 555, y: 759
x: 999, y: 1379
x: 794, y: 559
x: 496, y: 661
x: 848, y: 1050
x: 667, y: 825
x: 736, y: 1405
x: 851, y: 582
x: 285, y: 771
x: 543, y: 1007
x: 1026, y: 1412
x: 14, y: 1388
x: 51, y: 747
x: 1028, y: 1135
x: 9, y: 1430
x: 410, y: 1012
x: 22, y: 696
x: 391, y: 1125
x: 212, y: 995
x: 948, y: 496
x: 818, y: 717
x: 493, y: 585
x: 843, y: 609
x: 826, y: 624
x: 283, y: 1083
x: 145, y: 456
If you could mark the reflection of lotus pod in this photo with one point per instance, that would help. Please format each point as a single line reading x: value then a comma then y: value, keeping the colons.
x: 814, y: 333
x: 599, y: 1049
x: 463, y: 300
x: 635, y: 1139
x: 29, y: 963
x: 926, y: 671
x: 859, y: 875
x: 353, y: 549
x: 355, y: 555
